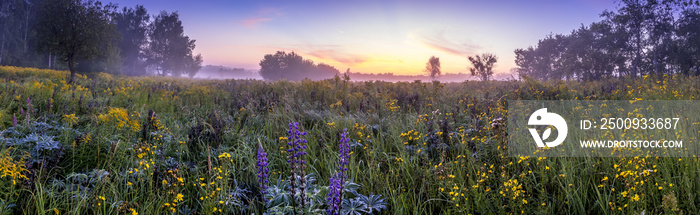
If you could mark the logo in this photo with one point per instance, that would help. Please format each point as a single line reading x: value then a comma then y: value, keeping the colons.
x: 541, y: 117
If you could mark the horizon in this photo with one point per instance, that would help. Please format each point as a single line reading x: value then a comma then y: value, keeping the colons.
x: 399, y: 38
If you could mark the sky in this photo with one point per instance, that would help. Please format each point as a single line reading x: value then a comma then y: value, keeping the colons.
x: 373, y: 36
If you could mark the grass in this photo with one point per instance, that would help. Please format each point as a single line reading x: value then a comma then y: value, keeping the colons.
x: 158, y: 145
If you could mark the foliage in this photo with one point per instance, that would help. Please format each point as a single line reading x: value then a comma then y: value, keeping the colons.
x: 432, y: 67
x: 412, y: 147
x: 170, y: 51
x: 482, y: 65
x: 639, y: 38
x: 292, y: 67
x: 82, y: 31
x: 18, y: 46
x: 132, y: 25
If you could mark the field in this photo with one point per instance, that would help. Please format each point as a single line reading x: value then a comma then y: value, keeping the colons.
x: 159, y: 145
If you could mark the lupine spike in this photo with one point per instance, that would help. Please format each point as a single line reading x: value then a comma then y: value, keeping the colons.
x: 297, y: 150
x: 335, y: 196
x: 262, y: 170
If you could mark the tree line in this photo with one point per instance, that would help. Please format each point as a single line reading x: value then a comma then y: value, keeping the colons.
x: 643, y: 37
x: 293, y: 67
x: 88, y: 36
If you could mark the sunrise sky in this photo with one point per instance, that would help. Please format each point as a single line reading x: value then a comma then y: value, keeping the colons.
x: 373, y: 36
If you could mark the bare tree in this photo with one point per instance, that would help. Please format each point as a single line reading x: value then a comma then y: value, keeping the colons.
x: 432, y: 67
x: 482, y: 65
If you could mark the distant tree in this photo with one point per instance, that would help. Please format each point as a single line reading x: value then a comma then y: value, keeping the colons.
x: 132, y: 25
x: 482, y: 65
x: 293, y: 67
x: 432, y: 67
x: 170, y: 51
x: 193, y: 65
x: 687, y: 54
x: 17, y: 18
x: 75, y: 30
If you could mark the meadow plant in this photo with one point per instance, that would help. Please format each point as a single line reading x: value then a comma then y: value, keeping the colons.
x: 262, y: 171
x: 296, y: 151
x: 335, y: 197
x: 83, y: 155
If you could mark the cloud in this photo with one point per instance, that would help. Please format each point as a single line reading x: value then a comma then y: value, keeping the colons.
x: 436, y: 40
x: 253, y: 22
x: 324, y: 53
x: 262, y: 15
x: 270, y: 11
x: 337, y: 56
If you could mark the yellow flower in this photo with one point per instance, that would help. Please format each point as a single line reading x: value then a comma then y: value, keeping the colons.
x: 70, y: 119
x: 635, y: 198
x: 179, y: 197
x: 133, y: 212
x: 224, y: 155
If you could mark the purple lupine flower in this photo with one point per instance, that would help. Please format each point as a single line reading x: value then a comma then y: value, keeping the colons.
x: 29, y: 102
x: 297, y: 146
x: 335, y: 197
x: 296, y: 151
x: 262, y: 170
x: 14, y: 121
x: 344, y: 153
x: 21, y: 111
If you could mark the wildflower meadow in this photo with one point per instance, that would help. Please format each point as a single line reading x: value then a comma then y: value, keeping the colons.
x: 160, y: 145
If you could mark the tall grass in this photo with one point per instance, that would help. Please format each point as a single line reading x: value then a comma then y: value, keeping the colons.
x: 156, y: 145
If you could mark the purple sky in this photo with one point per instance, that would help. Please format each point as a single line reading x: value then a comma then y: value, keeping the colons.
x: 373, y: 36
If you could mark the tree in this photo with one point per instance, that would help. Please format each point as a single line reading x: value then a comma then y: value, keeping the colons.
x: 132, y: 25
x: 432, y: 67
x: 192, y: 65
x: 170, y: 51
x: 482, y: 65
x: 75, y: 30
x: 15, y: 32
x: 293, y: 67
x: 688, y: 44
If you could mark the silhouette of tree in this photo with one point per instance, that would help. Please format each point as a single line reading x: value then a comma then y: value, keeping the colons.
x: 170, y: 51
x: 432, y: 67
x: 132, y: 25
x: 641, y: 38
x: 75, y: 30
x: 482, y: 65
x: 291, y: 66
x: 17, y: 46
